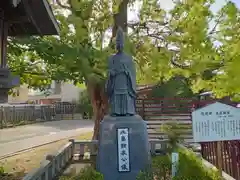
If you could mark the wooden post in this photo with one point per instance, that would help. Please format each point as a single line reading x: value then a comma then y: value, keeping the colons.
x: 73, y: 147
x: 143, y: 110
x: 1, y: 115
x: 219, y: 157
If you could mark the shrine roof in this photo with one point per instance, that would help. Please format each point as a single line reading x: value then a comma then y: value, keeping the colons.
x: 29, y: 17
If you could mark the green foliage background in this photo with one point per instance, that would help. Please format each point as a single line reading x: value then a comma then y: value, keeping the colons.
x: 84, y: 104
x: 164, y: 44
x: 87, y: 173
x: 189, y: 167
x: 175, y: 87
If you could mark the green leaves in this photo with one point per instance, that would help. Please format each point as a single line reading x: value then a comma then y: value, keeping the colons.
x: 190, y: 41
x: 196, y: 37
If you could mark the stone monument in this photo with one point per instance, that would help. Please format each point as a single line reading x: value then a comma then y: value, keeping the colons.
x: 123, y: 142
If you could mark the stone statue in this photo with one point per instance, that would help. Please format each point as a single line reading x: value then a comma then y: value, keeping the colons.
x: 122, y: 133
x: 121, y: 83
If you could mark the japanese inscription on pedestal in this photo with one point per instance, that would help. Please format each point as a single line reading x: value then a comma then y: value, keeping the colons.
x: 123, y: 150
x: 216, y: 122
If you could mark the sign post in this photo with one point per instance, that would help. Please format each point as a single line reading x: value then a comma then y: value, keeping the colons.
x: 175, y: 158
x: 219, y: 157
x: 215, y: 123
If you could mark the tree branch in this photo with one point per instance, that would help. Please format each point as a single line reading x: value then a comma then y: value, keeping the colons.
x: 178, y: 65
x: 62, y: 5
x: 213, y: 30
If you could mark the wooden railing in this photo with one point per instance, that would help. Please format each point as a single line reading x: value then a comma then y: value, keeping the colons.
x: 55, y: 164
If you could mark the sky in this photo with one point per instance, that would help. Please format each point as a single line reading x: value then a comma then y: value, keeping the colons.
x: 168, y: 5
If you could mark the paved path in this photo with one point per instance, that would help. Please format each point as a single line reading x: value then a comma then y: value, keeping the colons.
x: 23, y: 137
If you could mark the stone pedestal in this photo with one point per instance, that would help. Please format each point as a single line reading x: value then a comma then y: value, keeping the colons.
x: 124, y: 148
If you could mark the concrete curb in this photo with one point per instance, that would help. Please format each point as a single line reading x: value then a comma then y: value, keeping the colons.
x: 37, y: 146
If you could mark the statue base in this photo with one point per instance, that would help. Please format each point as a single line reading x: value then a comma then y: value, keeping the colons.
x: 124, y: 148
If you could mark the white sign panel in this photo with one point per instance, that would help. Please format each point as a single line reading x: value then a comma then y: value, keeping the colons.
x: 175, y: 158
x: 123, y: 150
x: 216, y: 122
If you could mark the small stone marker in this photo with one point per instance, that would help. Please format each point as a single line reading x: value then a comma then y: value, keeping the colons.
x: 175, y: 159
x: 123, y: 150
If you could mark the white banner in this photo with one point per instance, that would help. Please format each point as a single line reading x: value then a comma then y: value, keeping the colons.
x: 123, y: 150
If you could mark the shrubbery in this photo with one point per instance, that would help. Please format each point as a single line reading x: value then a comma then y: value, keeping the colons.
x: 190, y: 167
x: 10, y: 176
x: 1, y: 170
x: 87, y: 173
x: 85, y: 105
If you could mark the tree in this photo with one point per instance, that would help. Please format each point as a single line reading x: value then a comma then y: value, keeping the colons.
x: 163, y: 44
x: 175, y: 87
x: 28, y: 65
x: 182, y: 42
x: 78, y: 54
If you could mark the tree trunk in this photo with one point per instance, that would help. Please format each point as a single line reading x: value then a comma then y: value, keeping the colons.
x: 99, y: 103
x: 120, y: 19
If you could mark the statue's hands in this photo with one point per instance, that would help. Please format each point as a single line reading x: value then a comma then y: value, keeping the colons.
x: 113, y: 73
x: 119, y: 71
x: 116, y: 71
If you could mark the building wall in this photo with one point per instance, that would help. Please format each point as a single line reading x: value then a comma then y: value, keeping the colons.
x: 22, y: 96
x: 65, y: 91
x: 70, y: 92
x: 40, y: 99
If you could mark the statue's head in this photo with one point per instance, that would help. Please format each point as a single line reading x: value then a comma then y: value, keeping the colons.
x: 119, y: 40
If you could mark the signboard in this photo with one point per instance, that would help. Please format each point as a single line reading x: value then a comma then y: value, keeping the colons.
x: 216, y: 122
x: 123, y: 150
x: 175, y: 158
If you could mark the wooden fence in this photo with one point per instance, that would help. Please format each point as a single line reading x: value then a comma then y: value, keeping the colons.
x: 158, y: 112
x: 13, y: 115
x: 230, y: 153
x: 84, y: 151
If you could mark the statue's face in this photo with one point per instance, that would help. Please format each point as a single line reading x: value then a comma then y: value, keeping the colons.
x: 119, y: 44
x: 119, y: 47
